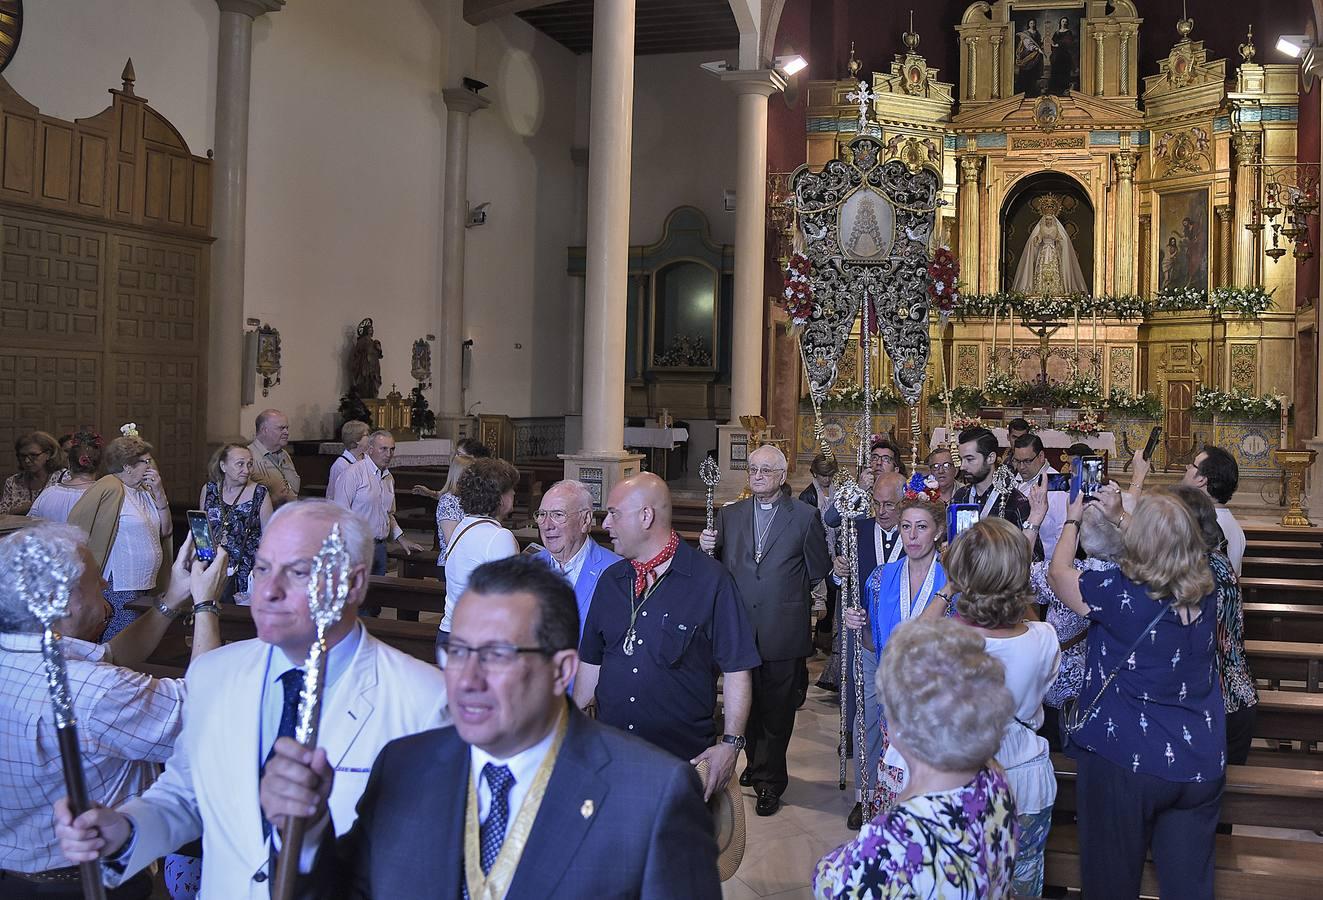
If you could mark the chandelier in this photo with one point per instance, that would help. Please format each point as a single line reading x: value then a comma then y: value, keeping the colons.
x: 1290, y: 200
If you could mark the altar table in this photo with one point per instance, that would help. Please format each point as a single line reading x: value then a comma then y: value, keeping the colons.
x: 1052, y: 439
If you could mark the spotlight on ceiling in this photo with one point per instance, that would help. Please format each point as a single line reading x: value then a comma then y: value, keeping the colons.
x: 716, y: 67
x: 1294, y: 45
x: 789, y: 65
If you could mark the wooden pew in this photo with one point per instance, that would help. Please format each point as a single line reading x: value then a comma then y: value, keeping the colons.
x: 1289, y: 716
x: 417, y: 565
x: 1249, y: 867
x: 1283, y: 622
x: 413, y: 595
x: 1283, y: 549
x: 1279, y: 661
x: 1283, y: 567
x: 1306, y: 592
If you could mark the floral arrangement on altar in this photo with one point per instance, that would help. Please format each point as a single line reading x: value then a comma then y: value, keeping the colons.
x: 684, y: 350
x: 1246, y: 302
x: 963, y: 399
x: 1233, y: 404
x: 797, y: 297
x: 1082, y: 390
x: 960, y: 423
x: 999, y: 386
x: 1087, y: 425
x: 852, y: 398
x: 1144, y: 405
x: 943, y: 286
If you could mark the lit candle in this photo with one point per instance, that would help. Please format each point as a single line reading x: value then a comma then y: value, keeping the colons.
x: 1077, y: 336
x: 1011, y: 326
x: 1282, y: 400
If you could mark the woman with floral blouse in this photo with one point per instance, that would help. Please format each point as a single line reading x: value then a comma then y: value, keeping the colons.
x: 952, y: 833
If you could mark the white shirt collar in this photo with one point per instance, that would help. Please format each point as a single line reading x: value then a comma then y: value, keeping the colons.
x: 523, y: 766
x: 572, y: 568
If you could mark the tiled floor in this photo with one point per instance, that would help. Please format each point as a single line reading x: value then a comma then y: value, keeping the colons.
x: 781, y: 850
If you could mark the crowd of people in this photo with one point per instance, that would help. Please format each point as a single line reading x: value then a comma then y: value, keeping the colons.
x: 588, y: 702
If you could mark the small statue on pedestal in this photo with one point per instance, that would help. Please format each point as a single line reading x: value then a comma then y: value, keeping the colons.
x: 365, y: 363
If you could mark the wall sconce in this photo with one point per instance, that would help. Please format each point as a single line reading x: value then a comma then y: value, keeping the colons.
x: 261, y: 355
x: 477, y: 215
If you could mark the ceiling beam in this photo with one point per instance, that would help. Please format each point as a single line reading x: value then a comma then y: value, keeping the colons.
x: 478, y: 11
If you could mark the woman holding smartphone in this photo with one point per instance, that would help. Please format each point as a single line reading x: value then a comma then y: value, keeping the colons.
x: 897, y: 592
x: 237, y: 510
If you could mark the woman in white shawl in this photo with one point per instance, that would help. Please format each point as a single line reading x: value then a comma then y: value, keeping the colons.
x: 1049, y: 267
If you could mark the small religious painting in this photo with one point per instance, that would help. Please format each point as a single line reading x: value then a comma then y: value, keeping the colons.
x: 866, y: 225
x: 1047, y: 51
x: 1183, y: 240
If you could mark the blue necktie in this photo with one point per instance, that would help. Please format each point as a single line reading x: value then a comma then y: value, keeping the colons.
x: 492, y: 833
x: 292, y: 683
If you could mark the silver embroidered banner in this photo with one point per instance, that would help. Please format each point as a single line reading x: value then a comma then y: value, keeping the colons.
x: 866, y: 227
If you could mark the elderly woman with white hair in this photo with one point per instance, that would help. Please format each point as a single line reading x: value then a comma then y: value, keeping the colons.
x: 951, y: 834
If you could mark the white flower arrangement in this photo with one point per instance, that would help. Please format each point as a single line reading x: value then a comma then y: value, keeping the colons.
x: 129, y: 429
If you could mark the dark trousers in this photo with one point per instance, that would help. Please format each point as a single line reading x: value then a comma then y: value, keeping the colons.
x: 12, y: 887
x: 1240, y: 731
x: 378, y: 557
x: 771, y: 722
x: 1122, y: 814
x: 829, y: 616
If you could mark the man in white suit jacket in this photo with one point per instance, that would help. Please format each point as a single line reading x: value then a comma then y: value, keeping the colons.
x: 210, y: 786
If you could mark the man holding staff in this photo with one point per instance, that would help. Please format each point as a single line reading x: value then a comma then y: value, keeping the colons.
x: 775, y: 548
x: 245, y: 695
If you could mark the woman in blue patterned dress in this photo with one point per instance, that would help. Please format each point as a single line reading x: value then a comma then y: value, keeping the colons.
x: 1149, y: 734
x: 237, y: 509
x: 951, y: 834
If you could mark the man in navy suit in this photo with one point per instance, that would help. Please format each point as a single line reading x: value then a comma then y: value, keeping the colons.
x: 563, y: 522
x: 525, y: 797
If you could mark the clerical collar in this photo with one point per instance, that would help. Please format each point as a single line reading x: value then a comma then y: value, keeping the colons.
x: 763, y: 505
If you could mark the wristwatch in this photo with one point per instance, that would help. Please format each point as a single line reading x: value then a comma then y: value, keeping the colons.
x: 736, y: 739
x: 171, y: 614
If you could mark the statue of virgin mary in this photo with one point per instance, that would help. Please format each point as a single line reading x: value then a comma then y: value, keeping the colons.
x: 1048, y: 266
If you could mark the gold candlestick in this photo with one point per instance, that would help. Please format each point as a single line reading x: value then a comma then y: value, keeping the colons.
x: 1294, y: 463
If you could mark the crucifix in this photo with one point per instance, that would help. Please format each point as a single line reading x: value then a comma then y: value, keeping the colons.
x: 863, y: 98
x: 1043, y: 330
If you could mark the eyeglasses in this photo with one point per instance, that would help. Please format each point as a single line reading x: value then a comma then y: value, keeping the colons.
x: 756, y: 471
x: 29, y: 457
x: 491, y: 657
x: 557, y: 516
x: 889, y: 505
x: 940, y: 467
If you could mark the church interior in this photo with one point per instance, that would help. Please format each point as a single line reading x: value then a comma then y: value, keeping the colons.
x: 612, y: 236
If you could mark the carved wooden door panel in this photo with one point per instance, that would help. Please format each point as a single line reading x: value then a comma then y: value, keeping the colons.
x: 1179, y: 428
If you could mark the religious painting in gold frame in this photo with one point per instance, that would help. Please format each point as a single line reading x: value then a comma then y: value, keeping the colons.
x: 1182, y: 240
x: 1045, y: 47
x: 11, y: 30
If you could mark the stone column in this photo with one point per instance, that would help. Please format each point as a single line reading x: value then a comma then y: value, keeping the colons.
x: 603, y: 461
x: 968, y: 208
x: 229, y: 189
x: 574, y: 394
x: 746, y: 365
x: 1246, y: 147
x: 1125, y: 221
x: 460, y: 104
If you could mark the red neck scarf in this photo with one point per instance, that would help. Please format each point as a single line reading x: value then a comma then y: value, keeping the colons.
x: 644, y: 569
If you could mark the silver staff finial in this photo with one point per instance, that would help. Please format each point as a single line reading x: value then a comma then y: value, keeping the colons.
x: 44, y: 579
x: 710, y: 474
x: 328, y: 588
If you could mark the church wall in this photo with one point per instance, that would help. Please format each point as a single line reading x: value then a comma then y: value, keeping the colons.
x: 345, y: 153
x: 684, y: 144
x: 72, y: 50
x: 516, y: 288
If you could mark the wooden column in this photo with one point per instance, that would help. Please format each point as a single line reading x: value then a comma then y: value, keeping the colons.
x: 1224, y: 245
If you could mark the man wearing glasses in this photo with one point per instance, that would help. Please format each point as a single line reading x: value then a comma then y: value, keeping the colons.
x: 563, y: 522
x: 775, y: 548
x: 525, y: 796
x: 243, y: 700
x: 1029, y: 461
x: 942, y: 467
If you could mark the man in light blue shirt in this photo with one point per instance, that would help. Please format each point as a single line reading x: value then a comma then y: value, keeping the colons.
x: 564, y: 520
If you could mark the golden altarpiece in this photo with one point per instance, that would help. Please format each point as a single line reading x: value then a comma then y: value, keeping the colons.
x: 1120, y: 219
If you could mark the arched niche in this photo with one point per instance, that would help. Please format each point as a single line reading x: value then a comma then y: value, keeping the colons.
x: 1019, y: 216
